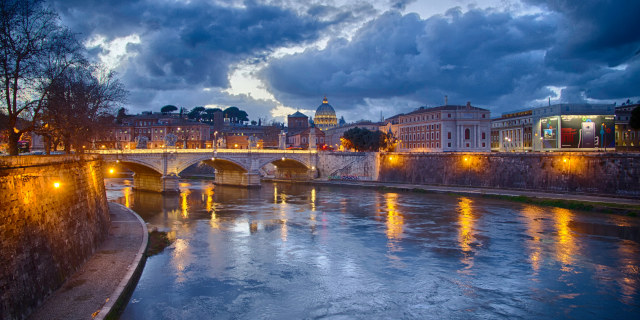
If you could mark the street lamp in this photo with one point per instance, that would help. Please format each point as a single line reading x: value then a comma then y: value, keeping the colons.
x: 215, y: 140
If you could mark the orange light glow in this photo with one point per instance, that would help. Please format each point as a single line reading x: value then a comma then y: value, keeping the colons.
x: 111, y: 171
x: 56, y: 184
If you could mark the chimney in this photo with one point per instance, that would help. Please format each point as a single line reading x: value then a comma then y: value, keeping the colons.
x: 468, y: 105
x: 446, y: 100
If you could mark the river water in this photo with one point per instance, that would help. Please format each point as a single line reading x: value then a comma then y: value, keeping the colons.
x: 295, y: 251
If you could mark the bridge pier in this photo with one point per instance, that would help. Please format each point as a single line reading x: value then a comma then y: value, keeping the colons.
x: 237, y: 178
x: 156, y: 183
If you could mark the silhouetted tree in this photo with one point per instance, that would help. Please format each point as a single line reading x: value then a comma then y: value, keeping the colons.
x: 122, y: 113
x: 210, y: 113
x: 81, y: 103
x: 36, y: 50
x: 168, y: 109
x: 235, y: 115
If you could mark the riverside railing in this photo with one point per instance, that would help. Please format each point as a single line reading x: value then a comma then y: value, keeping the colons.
x: 218, y: 150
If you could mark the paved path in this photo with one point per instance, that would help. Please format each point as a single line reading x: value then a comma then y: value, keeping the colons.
x: 94, y: 289
x: 483, y: 191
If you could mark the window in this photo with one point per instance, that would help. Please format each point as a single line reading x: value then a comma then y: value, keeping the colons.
x: 449, y: 144
x: 448, y: 115
x: 483, y: 144
x: 449, y: 135
x: 483, y: 115
x: 483, y: 136
x: 467, y: 135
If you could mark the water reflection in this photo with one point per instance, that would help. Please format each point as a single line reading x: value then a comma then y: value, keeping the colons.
x: 296, y: 251
x: 566, y: 247
x: 535, y: 226
x: 465, y: 232
x: 395, y: 222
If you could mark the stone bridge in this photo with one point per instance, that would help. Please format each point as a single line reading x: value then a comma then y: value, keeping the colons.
x: 159, y: 169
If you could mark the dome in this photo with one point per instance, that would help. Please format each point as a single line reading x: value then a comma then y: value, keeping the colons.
x: 325, y: 116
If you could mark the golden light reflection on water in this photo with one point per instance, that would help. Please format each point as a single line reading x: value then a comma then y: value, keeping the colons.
x: 566, y: 243
x: 210, y: 205
x: 465, y: 232
x: 128, y: 193
x: 184, y: 205
x: 395, y: 221
x: 535, y: 226
x: 313, y: 199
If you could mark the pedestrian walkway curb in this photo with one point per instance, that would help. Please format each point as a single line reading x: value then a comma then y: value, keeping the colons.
x: 128, y: 283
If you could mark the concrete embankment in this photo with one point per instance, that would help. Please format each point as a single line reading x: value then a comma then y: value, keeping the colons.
x: 53, y: 216
x: 55, y: 228
x: 102, y: 285
x: 598, y: 174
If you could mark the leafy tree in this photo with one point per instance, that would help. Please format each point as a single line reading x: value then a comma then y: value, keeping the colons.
x: 361, y: 139
x: 168, y: 109
x: 253, y: 122
x: 36, y: 50
x: 634, y: 121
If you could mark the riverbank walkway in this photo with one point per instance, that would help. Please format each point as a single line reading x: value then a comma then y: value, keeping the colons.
x: 94, y: 290
x: 481, y: 191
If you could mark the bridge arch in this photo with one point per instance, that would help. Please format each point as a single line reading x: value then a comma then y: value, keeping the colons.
x: 135, y: 165
x: 219, y: 163
x: 146, y: 176
x: 290, y: 168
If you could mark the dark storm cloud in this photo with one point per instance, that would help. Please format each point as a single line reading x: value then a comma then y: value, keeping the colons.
x: 492, y: 58
x: 193, y: 44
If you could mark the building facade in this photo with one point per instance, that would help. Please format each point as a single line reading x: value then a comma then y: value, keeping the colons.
x: 512, y: 132
x: 574, y: 127
x: 447, y: 128
x: 627, y: 139
x: 154, y: 129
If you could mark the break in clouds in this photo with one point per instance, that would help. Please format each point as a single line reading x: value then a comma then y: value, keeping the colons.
x: 571, y: 51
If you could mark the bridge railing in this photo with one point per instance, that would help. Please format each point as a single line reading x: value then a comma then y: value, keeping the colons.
x: 147, y: 151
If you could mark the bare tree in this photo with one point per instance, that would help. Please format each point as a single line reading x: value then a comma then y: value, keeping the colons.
x: 35, y: 50
x: 81, y: 104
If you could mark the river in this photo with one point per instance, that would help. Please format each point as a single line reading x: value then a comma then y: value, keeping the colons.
x: 298, y: 251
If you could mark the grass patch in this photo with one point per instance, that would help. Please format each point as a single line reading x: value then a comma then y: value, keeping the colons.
x: 629, y: 210
x: 158, y: 240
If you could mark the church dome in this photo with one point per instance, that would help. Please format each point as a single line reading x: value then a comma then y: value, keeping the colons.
x: 325, y: 117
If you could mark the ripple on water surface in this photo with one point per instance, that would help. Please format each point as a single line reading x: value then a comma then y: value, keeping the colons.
x: 299, y: 251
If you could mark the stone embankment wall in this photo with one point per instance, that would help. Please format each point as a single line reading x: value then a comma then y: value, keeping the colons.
x: 47, y: 230
x: 591, y: 173
x: 348, y: 165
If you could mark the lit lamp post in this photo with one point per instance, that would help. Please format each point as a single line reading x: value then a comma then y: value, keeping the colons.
x: 215, y: 141
x: 507, y: 141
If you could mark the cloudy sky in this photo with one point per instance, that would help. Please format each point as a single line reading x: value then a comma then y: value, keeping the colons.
x: 370, y: 58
